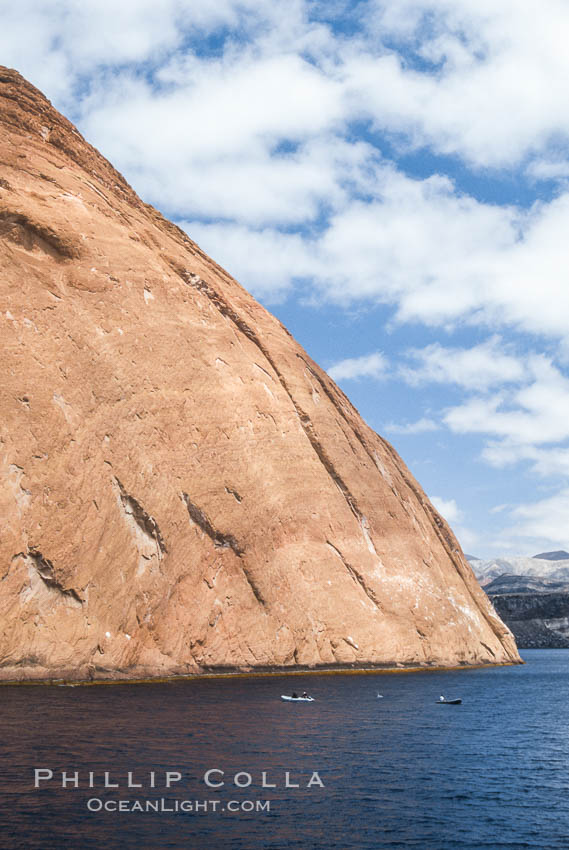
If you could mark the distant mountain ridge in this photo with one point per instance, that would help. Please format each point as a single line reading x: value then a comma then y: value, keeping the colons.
x: 525, y: 584
x: 543, y: 568
x: 559, y: 555
x: 531, y: 595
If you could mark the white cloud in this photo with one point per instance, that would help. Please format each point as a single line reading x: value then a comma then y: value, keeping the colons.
x: 528, y: 424
x: 368, y: 366
x: 260, y: 135
x: 437, y: 256
x: 240, y: 104
x: 254, y: 187
x: 533, y: 415
x: 549, y: 169
x: 545, y: 462
x: 421, y: 426
x: 55, y: 43
x: 447, y: 507
x: 492, y: 89
x: 37, y: 37
x: 441, y: 257
x: 267, y: 261
x: 477, y: 368
x: 545, y: 519
x: 415, y: 243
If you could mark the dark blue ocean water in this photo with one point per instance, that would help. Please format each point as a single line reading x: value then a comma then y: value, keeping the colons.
x: 398, y: 772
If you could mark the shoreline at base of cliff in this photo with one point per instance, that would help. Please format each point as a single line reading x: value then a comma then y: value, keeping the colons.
x: 251, y: 674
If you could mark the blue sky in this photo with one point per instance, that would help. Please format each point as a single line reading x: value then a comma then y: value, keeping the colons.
x: 390, y: 179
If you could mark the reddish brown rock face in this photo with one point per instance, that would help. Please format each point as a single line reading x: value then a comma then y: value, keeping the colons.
x: 183, y: 489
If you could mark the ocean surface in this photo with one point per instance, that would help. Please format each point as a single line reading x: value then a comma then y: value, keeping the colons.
x: 397, y: 771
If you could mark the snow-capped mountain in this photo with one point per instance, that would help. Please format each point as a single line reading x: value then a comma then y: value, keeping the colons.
x: 549, y: 565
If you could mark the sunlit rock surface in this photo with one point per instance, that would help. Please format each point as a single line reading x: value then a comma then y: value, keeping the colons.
x: 183, y: 488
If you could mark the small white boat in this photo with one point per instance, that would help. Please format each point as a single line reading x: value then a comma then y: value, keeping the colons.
x: 297, y: 699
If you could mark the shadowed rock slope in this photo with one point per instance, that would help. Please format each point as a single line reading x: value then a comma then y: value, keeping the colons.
x: 183, y: 488
x: 538, y: 619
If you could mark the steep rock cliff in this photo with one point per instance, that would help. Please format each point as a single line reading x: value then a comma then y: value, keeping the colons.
x: 183, y: 488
